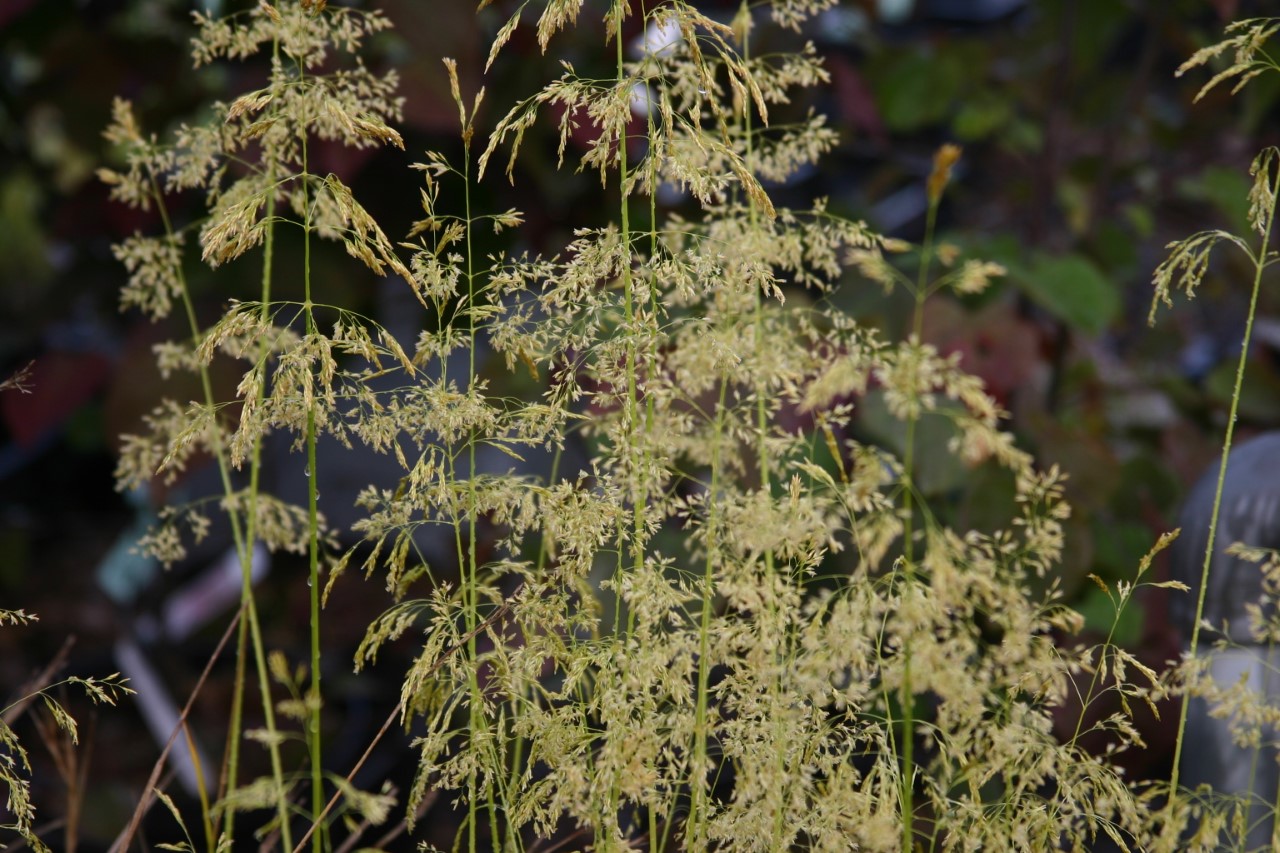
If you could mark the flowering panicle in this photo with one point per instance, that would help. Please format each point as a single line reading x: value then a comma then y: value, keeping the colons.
x: 683, y: 600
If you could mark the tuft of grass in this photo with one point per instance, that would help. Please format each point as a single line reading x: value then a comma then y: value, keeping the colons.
x: 729, y: 622
x: 15, y: 765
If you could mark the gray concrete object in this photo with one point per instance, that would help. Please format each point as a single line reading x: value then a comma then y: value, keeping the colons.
x: 1250, y: 514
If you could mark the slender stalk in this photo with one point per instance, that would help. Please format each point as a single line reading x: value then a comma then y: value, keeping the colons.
x: 513, y: 841
x: 476, y: 720
x: 655, y: 839
x: 246, y: 550
x: 269, y: 718
x: 907, y: 697
x: 694, y: 834
x: 762, y: 413
x: 235, y: 725
x: 1260, y: 264
x: 313, y: 531
x: 202, y: 791
x: 249, y: 627
x: 637, y: 469
x: 243, y: 536
x: 639, y: 492
x: 745, y: 23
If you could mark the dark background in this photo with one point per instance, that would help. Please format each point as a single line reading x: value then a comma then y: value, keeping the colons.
x: 1083, y: 157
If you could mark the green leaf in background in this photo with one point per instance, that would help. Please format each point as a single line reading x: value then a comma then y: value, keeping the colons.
x: 1259, y: 396
x: 917, y: 90
x: 1099, y: 613
x: 1226, y: 189
x: 1260, y: 102
x: 1146, y: 480
x: 1022, y: 136
x: 1140, y: 218
x: 1096, y: 26
x: 1115, y: 247
x: 1071, y: 288
x: 1118, y: 546
x: 1075, y: 201
x: 937, y: 469
x: 22, y: 256
x: 981, y: 116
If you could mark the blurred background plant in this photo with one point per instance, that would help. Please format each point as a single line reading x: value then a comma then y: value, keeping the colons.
x: 1082, y: 159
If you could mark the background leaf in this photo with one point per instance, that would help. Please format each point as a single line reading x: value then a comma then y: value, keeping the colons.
x: 1072, y: 289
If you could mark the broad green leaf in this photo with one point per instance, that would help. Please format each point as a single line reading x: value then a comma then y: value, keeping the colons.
x: 1071, y: 288
x: 1100, y: 613
x: 918, y: 90
x: 938, y: 470
x: 1226, y: 190
x: 981, y: 116
x: 1118, y: 546
x: 1259, y: 396
x: 1097, y: 24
